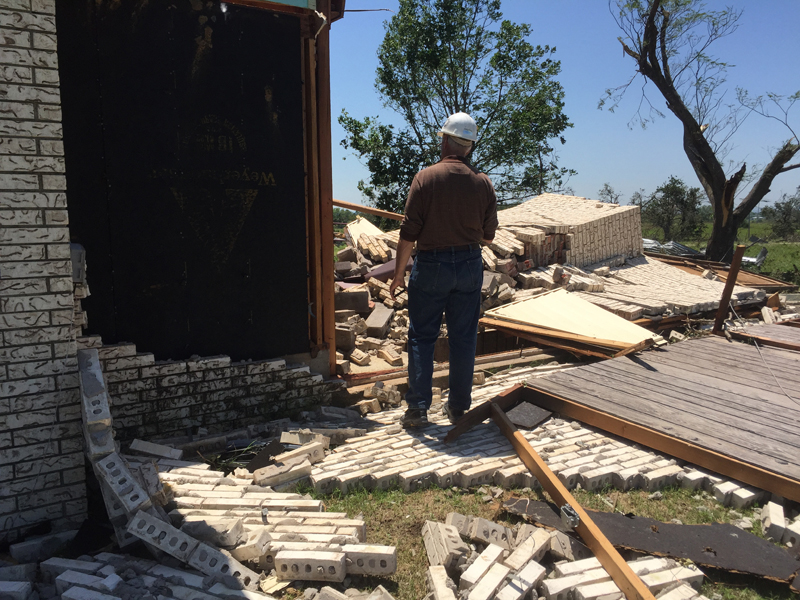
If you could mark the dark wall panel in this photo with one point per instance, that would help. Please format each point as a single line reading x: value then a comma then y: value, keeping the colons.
x: 184, y: 144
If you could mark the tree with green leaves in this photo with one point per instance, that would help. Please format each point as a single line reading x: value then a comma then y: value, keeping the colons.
x: 669, y: 40
x: 675, y: 209
x: 609, y: 194
x: 784, y: 216
x: 440, y: 57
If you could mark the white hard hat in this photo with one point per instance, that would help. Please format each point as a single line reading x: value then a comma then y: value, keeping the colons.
x: 460, y: 125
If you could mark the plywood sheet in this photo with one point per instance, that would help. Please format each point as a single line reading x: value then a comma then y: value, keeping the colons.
x: 561, y: 311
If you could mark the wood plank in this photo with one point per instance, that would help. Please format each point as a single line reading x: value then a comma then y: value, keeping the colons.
x: 714, y: 392
x: 575, y: 347
x: 727, y: 292
x: 505, y: 400
x: 755, y: 372
x: 664, y: 442
x: 680, y: 417
x: 620, y: 571
x: 546, y: 331
x: 384, y: 214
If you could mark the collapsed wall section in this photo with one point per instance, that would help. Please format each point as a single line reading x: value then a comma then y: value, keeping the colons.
x: 41, y: 458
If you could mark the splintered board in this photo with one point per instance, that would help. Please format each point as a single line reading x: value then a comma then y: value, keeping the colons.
x: 561, y: 311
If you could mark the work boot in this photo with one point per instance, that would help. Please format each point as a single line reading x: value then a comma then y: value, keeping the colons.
x: 451, y: 413
x: 414, y: 417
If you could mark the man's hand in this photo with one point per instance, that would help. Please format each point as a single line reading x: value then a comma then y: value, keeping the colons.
x: 404, y: 248
x: 395, y: 284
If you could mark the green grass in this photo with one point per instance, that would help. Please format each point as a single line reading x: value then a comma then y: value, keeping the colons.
x: 396, y: 518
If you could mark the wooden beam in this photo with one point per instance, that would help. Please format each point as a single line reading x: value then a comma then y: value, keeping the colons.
x: 707, y: 459
x: 727, y: 292
x: 627, y: 581
x: 385, y: 214
x: 313, y: 227
x: 326, y: 182
x: 765, y: 341
x: 273, y: 6
x: 575, y: 347
x: 634, y: 348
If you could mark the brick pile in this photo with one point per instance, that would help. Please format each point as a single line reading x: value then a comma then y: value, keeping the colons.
x: 41, y: 464
x: 233, y: 527
x: 505, y: 564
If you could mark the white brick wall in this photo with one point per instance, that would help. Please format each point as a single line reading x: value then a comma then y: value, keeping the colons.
x: 41, y: 459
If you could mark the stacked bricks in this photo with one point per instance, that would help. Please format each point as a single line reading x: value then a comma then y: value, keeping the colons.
x: 41, y: 462
x: 166, y: 398
x: 593, y: 231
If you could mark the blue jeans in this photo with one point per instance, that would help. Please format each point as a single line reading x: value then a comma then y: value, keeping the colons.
x: 449, y: 282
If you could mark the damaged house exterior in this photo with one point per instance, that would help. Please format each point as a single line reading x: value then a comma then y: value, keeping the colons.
x: 153, y: 159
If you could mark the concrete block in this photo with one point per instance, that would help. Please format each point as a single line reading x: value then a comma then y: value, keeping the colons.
x: 162, y: 535
x: 16, y: 590
x: 305, y: 436
x: 532, y: 548
x: 492, y: 554
x: 79, y: 593
x: 345, y: 338
x: 310, y: 566
x: 657, y: 581
x: 444, y: 545
x: 379, y: 321
x: 215, y: 563
x: 380, y: 593
x: 597, y: 479
x: 26, y: 572
x: 559, y: 589
x: 791, y: 535
x: 480, y: 474
x: 745, y: 497
x: 439, y: 584
x: 563, y: 546
x: 693, y: 480
x: 110, y: 583
x: 190, y: 579
x: 487, y: 587
x: 122, y: 484
x: 663, y: 477
x: 67, y: 579
x: 94, y: 398
x: 461, y: 522
x: 279, y: 473
x: 772, y: 521
x: 180, y: 592
x: 487, y: 532
x: 357, y: 301
x: 55, y: 566
x: 314, y: 452
x: 521, y: 583
x: 565, y: 569
x: 40, y: 548
x: 156, y: 450
x: 607, y: 590
x: 682, y: 592
x: 370, y: 560
x: 723, y: 492
x: 328, y: 593
x: 216, y: 531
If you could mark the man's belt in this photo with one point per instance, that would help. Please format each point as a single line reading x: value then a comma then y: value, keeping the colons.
x: 463, y: 248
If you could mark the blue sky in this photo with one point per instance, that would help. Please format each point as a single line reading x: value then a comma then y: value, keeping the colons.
x: 601, y: 147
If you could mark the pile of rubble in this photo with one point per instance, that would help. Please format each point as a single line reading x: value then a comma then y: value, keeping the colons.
x: 591, y: 248
x: 235, y: 529
x: 504, y: 564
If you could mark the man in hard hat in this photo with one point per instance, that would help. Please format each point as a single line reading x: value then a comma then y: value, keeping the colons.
x: 451, y: 208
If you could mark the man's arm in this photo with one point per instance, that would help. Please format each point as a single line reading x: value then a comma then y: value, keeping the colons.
x: 404, y: 248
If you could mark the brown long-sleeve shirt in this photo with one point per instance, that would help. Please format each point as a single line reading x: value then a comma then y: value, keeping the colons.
x: 450, y: 203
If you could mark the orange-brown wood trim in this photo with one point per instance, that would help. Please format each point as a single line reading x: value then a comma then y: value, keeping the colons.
x: 505, y: 400
x: 326, y: 181
x: 708, y: 459
x: 574, y: 347
x: 727, y: 292
x: 385, y: 214
x: 627, y: 581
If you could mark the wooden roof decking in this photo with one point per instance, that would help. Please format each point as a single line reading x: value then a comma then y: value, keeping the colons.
x: 712, y: 393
